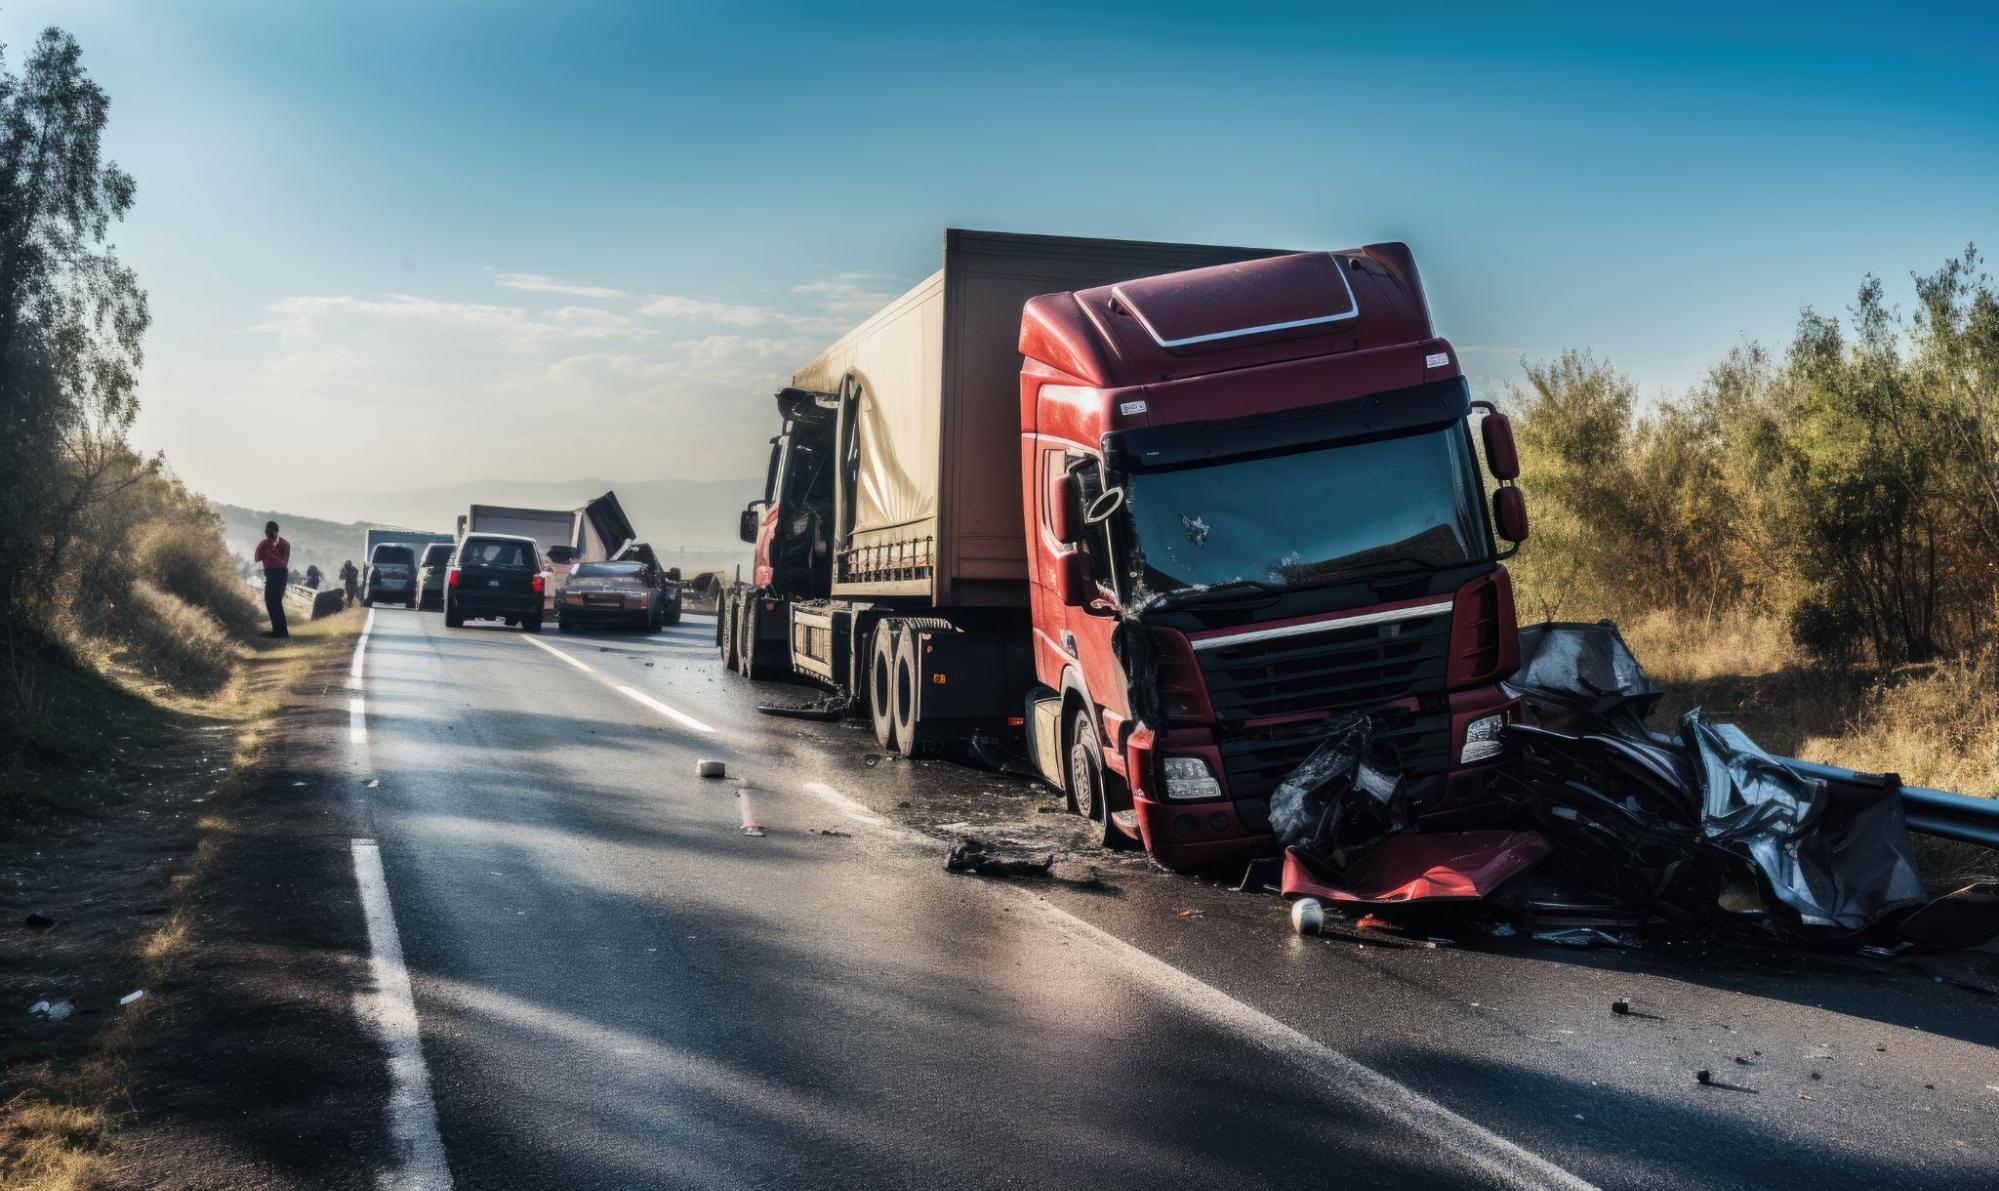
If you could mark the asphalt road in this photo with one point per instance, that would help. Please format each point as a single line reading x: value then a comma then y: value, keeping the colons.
x: 615, y: 984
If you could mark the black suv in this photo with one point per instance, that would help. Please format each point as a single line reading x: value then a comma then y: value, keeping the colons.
x: 430, y: 575
x: 494, y: 577
x: 391, y: 577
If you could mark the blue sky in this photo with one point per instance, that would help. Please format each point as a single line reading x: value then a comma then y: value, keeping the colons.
x: 397, y: 245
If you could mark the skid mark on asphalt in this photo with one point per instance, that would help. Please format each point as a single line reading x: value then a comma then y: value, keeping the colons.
x: 632, y: 693
x: 389, y: 1010
x: 1340, y: 1077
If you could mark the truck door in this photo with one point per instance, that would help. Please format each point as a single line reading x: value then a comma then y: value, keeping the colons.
x: 1067, y: 636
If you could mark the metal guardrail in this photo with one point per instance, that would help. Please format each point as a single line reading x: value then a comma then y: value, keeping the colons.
x: 1962, y: 817
x: 1932, y: 812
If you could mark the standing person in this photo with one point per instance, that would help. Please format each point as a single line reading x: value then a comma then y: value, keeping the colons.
x: 312, y: 577
x: 274, y: 554
x: 350, y: 578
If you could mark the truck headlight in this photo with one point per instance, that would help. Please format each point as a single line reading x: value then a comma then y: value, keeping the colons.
x: 1482, y: 741
x: 1188, y: 779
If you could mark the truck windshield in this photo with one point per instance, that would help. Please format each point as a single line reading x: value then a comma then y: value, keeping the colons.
x: 1309, y: 517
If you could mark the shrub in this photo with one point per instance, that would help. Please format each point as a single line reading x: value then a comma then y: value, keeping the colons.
x: 172, y: 640
x: 191, y: 562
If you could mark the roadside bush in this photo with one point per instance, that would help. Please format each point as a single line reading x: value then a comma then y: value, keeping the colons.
x: 190, y: 561
x: 171, y: 640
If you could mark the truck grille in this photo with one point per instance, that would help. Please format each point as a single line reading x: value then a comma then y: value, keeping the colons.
x: 1257, y: 760
x: 1340, y: 669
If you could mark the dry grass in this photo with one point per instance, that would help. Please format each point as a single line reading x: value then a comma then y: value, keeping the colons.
x: 52, y: 1131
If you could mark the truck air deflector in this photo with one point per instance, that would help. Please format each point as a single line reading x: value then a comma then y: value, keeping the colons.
x: 1387, y: 616
x: 1225, y: 303
x: 1379, y: 415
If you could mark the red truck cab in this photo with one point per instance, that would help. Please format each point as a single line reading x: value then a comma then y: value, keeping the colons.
x: 1252, y: 505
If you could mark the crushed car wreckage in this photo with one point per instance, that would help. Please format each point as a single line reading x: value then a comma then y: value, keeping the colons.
x: 1604, y: 826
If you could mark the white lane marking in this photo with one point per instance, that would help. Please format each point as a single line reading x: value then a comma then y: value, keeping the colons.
x: 677, y: 716
x: 360, y: 653
x: 357, y: 720
x: 1342, y: 1077
x: 389, y: 1010
x: 545, y: 646
x: 633, y: 693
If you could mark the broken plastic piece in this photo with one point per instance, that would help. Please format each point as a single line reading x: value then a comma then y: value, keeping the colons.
x: 52, y: 1010
x: 1308, y: 916
x: 710, y: 769
x: 1413, y: 867
x: 1621, y: 1007
x: 130, y: 997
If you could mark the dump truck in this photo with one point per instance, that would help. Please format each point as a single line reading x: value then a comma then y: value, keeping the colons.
x: 1168, y: 511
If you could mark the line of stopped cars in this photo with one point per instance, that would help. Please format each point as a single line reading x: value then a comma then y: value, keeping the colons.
x: 507, y: 577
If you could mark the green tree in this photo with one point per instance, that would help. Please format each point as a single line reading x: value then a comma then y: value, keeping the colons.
x: 72, y: 316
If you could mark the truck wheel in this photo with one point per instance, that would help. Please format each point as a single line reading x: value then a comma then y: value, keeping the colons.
x: 725, y: 630
x: 564, y: 625
x: 909, y: 734
x: 881, y: 683
x: 454, y: 618
x: 532, y: 623
x: 1089, y: 785
x: 752, y: 665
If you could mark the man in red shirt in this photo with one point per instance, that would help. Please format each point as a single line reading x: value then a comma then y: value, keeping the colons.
x: 274, y: 554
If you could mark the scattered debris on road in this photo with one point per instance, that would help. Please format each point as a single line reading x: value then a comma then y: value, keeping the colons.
x: 1704, y: 1076
x: 976, y: 856
x: 1308, y: 917
x: 130, y: 997
x: 1621, y: 1007
x: 38, y: 922
x: 710, y: 769
x: 828, y: 831
x: 829, y: 707
x: 51, y: 1010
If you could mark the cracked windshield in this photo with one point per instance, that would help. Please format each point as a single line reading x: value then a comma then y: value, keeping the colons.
x: 1399, y: 503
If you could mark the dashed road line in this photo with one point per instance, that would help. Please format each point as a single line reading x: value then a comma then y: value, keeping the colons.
x: 633, y: 693
x: 357, y: 704
x: 1342, y: 1077
x: 389, y: 1010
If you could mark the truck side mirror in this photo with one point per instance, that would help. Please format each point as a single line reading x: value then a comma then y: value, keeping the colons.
x: 1509, y: 513
x: 1072, y: 580
x: 1065, y: 499
x: 562, y: 555
x: 1500, y: 456
x: 746, y: 527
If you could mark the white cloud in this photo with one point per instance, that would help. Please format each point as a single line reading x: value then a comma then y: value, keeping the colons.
x: 851, y: 293
x: 701, y: 310
x: 541, y: 283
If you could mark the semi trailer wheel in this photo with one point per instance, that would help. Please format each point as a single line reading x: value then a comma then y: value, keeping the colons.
x: 881, y: 683
x: 725, y: 629
x: 904, y: 705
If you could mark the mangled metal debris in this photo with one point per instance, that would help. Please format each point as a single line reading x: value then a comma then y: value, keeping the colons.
x: 1607, y: 826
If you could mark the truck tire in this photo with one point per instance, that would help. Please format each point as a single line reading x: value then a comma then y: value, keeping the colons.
x: 881, y: 683
x: 906, y: 703
x: 1089, y: 786
x: 453, y: 617
x: 753, y: 666
x: 725, y: 629
x: 531, y: 624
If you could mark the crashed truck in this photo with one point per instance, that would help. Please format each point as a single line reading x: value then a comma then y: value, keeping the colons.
x: 1172, y: 509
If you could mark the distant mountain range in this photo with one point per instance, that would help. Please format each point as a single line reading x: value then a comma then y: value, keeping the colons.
x: 692, y: 523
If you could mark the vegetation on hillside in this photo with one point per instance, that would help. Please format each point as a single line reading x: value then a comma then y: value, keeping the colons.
x: 104, y: 554
x: 1811, y: 535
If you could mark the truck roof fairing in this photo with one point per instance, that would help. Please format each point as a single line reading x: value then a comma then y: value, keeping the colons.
x: 1233, y: 315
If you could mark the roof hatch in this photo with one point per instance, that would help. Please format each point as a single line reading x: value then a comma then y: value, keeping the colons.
x: 1229, y: 305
